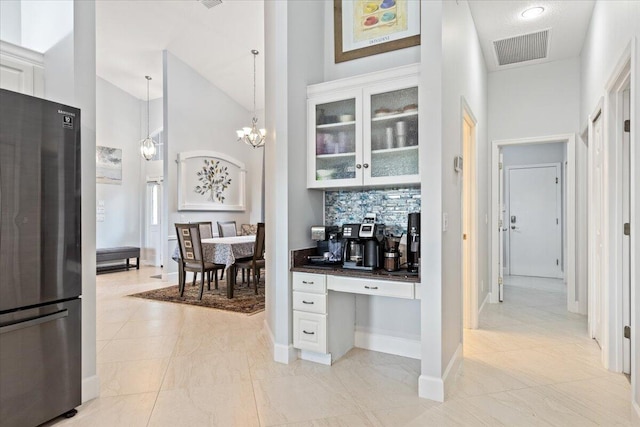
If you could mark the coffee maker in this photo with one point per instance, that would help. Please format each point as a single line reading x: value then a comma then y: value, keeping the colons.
x: 328, y: 244
x: 413, y: 242
x: 362, y: 244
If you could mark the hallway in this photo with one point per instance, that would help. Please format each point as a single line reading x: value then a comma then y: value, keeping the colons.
x: 531, y: 363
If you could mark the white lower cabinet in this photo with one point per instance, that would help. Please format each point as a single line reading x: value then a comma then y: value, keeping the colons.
x: 310, y: 312
x: 310, y: 331
x: 323, y: 323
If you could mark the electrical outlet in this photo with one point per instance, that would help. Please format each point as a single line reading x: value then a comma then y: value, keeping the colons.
x: 445, y: 221
x: 482, y: 285
x: 486, y: 219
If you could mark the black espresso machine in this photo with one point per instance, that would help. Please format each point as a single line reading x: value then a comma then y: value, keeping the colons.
x: 363, y: 245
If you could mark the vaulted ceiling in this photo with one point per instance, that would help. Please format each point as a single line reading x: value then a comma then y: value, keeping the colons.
x: 216, y: 42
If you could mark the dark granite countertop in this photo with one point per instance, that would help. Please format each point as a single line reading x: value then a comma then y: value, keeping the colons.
x: 396, y: 276
x: 299, y: 263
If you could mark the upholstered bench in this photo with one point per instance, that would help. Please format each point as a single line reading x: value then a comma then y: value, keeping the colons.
x: 115, y: 254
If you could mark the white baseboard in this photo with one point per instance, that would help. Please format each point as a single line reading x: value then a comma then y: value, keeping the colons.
x: 388, y: 344
x: 636, y: 407
x: 487, y: 298
x: 452, y: 368
x: 431, y: 388
x: 90, y: 388
x: 281, y: 353
x: 170, y: 277
x: 311, y: 356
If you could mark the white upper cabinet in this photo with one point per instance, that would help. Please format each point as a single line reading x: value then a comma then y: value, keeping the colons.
x: 21, y: 70
x: 364, y: 130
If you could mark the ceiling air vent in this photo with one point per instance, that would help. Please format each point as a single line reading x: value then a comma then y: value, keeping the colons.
x: 210, y: 3
x: 522, y: 48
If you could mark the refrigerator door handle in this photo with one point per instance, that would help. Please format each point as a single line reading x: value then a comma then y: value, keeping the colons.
x: 33, y: 321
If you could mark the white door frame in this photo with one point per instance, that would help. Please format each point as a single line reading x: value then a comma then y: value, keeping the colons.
x: 470, y: 290
x: 575, y: 291
x: 596, y: 310
x: 507, y: 189
x: 623, y: 75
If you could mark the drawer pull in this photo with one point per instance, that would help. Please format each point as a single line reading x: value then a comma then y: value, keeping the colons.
x: 308, y: 333
x: 307, y: 283
x: 307, y: 302
x: 370, y: 287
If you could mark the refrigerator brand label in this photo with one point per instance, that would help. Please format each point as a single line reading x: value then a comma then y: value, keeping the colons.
x: 67, y: 122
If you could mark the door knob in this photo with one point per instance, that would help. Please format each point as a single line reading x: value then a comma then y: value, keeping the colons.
x: 359, y: 166
x: 366, y: 165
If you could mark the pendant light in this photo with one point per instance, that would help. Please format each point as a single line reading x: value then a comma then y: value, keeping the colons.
x: 147, y: 146
x: 251, y: 135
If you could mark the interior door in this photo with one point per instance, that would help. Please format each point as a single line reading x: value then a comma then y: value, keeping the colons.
x: 154, y: 223
x: 535, y: 242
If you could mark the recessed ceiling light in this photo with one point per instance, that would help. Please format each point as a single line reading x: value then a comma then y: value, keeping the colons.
x: 532, y: 12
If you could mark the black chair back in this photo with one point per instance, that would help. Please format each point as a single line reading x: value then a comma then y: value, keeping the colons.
x: 258, y: 249
x: 189, y: 243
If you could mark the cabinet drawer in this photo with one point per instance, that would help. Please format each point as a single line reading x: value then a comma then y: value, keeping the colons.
x: 310, y: 331
x: 309, y: 282
x: 312, y: 303
x: 383, y: 288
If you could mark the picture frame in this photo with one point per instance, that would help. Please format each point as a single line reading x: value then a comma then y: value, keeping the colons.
x: 108, y: 165
x: 370, y: 27
x: 210, y: 181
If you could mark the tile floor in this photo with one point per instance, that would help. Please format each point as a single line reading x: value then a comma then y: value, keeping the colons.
x: 163, y: 364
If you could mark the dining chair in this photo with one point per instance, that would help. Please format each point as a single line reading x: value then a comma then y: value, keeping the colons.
x: 206, y: 229
x: 255, y: 263
x: 227, y: 229
x: 192, y: 259
x: 248, y: 229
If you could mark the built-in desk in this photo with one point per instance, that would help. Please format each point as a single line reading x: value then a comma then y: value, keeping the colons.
x: 324, y: 312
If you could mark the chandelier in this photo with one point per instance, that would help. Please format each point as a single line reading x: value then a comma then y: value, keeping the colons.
x: 147, y: 146
x: 252, y: 135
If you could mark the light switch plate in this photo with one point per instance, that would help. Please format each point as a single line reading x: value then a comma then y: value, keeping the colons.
x: 445, y: 221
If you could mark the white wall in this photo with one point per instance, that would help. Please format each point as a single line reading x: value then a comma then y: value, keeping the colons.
x: 538, y: 100
x: 294, y: 59
x: 84, y: 65
x: 201, y: 117
x: 10, y: 18
x: 58, y: 74
x: 464, y: 75
x: 45, y: 22
x: 613, y: 26
x: 118, y: 126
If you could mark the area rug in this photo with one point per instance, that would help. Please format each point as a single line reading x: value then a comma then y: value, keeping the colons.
x: 244, y: 298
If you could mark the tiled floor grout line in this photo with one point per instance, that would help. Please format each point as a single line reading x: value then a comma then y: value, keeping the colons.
x: 164, y: 375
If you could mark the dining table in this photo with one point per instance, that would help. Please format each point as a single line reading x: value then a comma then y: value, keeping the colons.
x: 224, y: 250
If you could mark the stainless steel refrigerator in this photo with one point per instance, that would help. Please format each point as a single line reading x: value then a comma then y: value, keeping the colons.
x: 40, y: 260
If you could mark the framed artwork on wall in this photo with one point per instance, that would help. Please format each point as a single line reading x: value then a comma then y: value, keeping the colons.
x: 210, y: 181
x: 369, y: 27
x: 108, y: 165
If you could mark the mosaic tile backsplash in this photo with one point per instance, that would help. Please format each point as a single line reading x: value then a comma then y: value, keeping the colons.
x: 391, y: 206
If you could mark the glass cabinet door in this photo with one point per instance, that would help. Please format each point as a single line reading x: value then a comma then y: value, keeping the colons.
x: 393, y: 138
x: 335, y: 139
